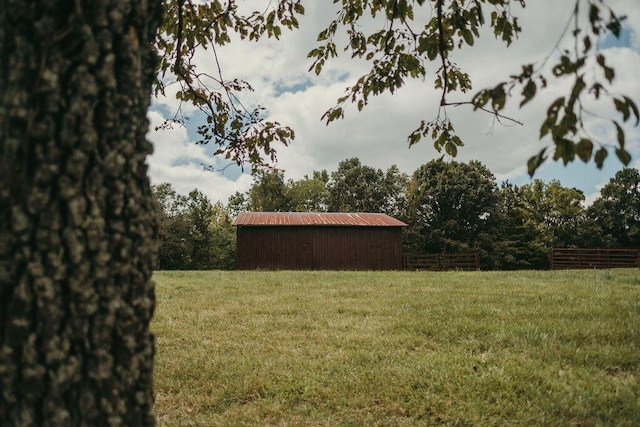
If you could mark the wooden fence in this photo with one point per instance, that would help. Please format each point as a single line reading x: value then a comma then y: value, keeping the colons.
x: 466, y: 261
x: 579, y: 258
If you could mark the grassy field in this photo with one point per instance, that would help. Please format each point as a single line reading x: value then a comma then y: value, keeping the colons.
x: 398, y: 348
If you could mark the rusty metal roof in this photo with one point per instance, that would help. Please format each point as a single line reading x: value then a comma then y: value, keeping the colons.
x: 314, y: 218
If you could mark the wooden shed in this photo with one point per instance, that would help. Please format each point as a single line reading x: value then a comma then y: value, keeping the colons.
x: 318, y: 241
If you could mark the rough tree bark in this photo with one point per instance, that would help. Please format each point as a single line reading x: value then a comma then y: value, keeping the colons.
x: 77, y: 229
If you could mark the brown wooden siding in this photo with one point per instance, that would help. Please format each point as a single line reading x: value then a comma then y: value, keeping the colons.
x: 319, y: 248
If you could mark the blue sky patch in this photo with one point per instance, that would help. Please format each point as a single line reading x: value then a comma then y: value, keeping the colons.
x: 282, y: 87
x: 611, y: 41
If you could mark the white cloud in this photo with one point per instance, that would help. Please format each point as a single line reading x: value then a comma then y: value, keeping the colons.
x: 178, y: 161
x: 592, y: 197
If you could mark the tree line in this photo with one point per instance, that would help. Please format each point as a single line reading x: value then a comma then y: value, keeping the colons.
x: 448, y: 206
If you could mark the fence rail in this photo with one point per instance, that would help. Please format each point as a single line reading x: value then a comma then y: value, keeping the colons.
x: 465, y: 261
x: 581, y: 258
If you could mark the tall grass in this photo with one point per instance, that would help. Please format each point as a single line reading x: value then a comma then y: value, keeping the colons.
x: 398, y: 348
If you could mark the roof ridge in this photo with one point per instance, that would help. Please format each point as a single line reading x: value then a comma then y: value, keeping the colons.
x: 370, y: 219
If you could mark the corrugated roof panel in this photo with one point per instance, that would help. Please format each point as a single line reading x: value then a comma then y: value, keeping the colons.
x: 316, y: 218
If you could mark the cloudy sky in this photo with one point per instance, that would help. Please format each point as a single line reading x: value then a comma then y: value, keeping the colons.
x: 378, y: 135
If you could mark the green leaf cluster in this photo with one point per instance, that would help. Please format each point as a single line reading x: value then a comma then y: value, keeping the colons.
x: 415, y: 36
x: 241, y: 133
x: 442, y: 132
x: 194, y: 234
x: 565, y: 118
x: 401, y: 40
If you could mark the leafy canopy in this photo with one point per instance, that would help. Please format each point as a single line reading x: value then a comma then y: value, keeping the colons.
x: 241, y: 133
x: 410, y: 39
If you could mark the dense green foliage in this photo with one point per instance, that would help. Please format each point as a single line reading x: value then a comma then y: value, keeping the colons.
x: 398, y: 348
x: 194, y: 234
x: 355, y: 187
x: 615, y: 216
x: 448, y: 206
x: 451, y: 207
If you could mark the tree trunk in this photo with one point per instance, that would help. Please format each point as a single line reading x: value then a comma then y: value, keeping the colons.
x: 77, y: 224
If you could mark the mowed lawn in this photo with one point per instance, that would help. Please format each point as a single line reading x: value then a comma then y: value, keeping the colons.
x: 398, y: 348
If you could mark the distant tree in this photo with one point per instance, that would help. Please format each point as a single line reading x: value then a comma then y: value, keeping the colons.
x: 309, y: 194
x: 168, y: 201
x: 591, y: 234
x: 512, y: 250
x: 552, y: 216
x: 554, y: 211
x: 173, y: 228
x: 269, y: 193
x: 211, y: 240
x: 194, y: 234
x: 355, y: 187
x: 200, y: 215
x: 223, y: 242
x: 451, y: 207
x: 237, y: 203
x: 615, y: 215
x: 395, y: 187
x: 534, y: 218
